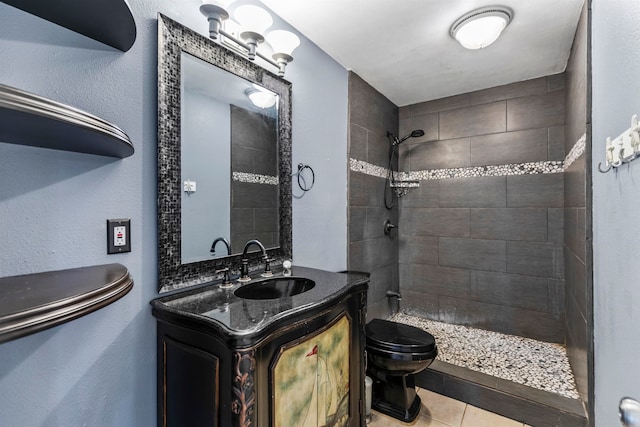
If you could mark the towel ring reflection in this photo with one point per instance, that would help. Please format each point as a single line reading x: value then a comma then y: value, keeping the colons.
x: 302, y: 183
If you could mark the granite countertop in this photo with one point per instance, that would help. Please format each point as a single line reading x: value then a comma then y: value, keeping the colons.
x: 219, y: 309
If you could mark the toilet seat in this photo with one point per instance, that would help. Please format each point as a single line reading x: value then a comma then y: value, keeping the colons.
x: 396, y: 340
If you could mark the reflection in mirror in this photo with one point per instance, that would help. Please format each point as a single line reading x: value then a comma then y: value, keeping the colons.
x: 229, y: 162
x: 234, y: 154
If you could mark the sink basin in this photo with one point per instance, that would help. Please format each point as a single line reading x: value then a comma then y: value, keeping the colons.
x: 275, y: 288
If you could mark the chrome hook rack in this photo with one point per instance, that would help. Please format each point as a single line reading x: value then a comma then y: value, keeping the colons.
x: 624, y: 148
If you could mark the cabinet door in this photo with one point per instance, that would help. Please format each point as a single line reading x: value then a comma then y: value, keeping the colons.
x: 311, y: 378
x: 191, y: 385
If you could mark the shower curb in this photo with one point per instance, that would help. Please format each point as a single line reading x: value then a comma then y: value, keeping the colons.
x: 531, y: 406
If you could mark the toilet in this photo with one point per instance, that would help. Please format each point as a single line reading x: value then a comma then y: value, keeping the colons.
x: 394, y: 353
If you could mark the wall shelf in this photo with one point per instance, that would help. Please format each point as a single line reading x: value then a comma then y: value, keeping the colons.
x: 107, y: 21
x: 29, y: 119
x: 33, y: 302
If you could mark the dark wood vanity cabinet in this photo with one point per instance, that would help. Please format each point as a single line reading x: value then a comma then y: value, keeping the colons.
x: 305, y: 364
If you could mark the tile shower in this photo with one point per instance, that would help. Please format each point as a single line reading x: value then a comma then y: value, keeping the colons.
x: 494, y: 237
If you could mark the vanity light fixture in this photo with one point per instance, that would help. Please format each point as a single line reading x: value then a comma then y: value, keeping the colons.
x: 254, y: 21
x: 481, y: 27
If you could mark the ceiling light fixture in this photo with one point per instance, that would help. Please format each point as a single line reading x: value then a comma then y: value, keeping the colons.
x: 254, y: 21
x: 481, y: 27
x: 260, y: 98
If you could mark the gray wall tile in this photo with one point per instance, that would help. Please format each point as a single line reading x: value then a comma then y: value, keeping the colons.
x: 556, y: 148
x: 545, y: 190
x: 475, y: 120
x: 436, y: 222
x: 513, y: 290
x: 357, y: 142
x: 509, y: 147
x: 418, y: 249
x: 425, y: 196
x: 473, y: 254
x: 540, y: 111
x: 428, y: 123
x: 436, y: 280
x: 452, y: 153
x: 438, y: 105
x: 535, y: 259
x: 509, y: 224
x: 510, y: 91
x: 555, y: 225
x: 483, y: 192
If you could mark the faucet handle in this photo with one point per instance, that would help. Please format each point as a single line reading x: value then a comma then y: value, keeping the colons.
x: 226, y: 283
x: 244, y: 270
x: 267, y: 267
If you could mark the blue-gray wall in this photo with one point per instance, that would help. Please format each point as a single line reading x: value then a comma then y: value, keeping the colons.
x: 616, y: 290
x: 99, y: 370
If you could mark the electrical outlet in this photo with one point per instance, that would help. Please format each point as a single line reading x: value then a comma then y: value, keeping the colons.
x: 118, y: 236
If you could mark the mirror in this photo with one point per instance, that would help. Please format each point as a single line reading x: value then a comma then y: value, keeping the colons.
x: 236, y: 156
x: 229, y: 162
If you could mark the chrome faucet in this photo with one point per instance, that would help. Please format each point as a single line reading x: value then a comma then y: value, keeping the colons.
x: 223, y: 240
x: 244, y: 269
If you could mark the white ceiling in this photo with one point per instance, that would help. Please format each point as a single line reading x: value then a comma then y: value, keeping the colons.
x: 403, y: 47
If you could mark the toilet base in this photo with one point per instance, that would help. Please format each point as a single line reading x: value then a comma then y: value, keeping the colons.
x: 395, y: 395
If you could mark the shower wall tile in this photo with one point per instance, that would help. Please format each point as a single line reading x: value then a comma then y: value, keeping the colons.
x: 378, y: 148
x: 420, y: 303
x: 438, y: 105
x: 437, y: 222
x: 266, y: 219
x: 485, y: 192
x: 452, y: 153
x: 425, y: 196
x: 471, y: 121
x: 512, y: 290
x: 556, y: 149
x: 510, y: 91
x: 439, y: 280
x: 357, y: 221
x: 536, y: 111
x: 556, y: 82
x: 357, y: 142
x: 418, y: 249
x: 545, y: 190
x: 365, y: 190
x: 246, y: 195
x: 427, y: 122
x: 473, y: 254
x: 575, y: 183
x: 556, y: 224
x: 510, y: 244
x: 509, y: 224
x: 535, y: 259
x: 371, y: 116
x: 510, y: 147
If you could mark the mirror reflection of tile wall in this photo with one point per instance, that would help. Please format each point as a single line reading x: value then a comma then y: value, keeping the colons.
x: 254, y: 205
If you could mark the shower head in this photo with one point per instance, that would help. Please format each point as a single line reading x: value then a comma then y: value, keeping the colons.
x: 414, y: 134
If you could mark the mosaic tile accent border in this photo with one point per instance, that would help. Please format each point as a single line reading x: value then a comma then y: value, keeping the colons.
x: 254, y: 178
x: 530, y: 168
x: 526, y: 361
x: 576, y: 151
x: 367, y: 168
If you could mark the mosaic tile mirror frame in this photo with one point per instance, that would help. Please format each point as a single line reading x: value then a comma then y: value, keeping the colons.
x: 173, y: 40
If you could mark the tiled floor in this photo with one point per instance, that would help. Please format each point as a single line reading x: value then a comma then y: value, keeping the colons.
x: 538, y: 364
x: 441, y: 411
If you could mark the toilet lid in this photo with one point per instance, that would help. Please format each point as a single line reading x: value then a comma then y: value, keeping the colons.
x: 398, y: 337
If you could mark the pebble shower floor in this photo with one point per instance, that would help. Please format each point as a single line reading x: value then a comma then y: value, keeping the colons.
x: 538, y: 364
